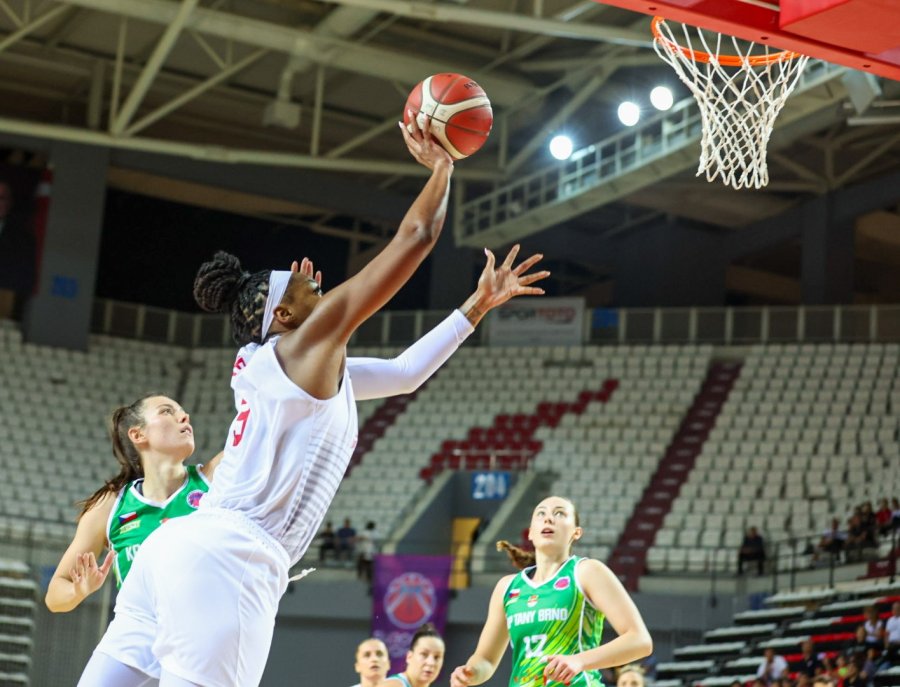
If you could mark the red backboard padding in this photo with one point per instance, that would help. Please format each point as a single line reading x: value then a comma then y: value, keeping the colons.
x: 866, y: 26
x: 762, y: 25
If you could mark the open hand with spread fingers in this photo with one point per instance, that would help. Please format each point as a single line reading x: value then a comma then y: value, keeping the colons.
x: 87, y: 576
x: 423, y: 146
x: 498, y: 285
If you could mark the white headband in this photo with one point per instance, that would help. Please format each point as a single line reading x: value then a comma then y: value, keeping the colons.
x: 278, y: 283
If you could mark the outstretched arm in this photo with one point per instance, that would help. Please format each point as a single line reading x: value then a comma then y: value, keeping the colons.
x: 379, y: 378
x: 78, y: 574
x: 491, y: 645
x: 313, y: 354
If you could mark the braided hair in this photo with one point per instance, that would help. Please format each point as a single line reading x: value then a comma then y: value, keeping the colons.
x: 222, y: 285
x: 121, y: 420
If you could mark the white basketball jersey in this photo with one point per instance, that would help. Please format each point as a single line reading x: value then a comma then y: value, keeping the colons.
x: 286, y: 452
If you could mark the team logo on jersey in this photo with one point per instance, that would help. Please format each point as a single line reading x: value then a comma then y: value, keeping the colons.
x: 127, y: 517
x: 193, y: 499
x: 532, y: 601
x: 512, y: 596
x: 410, y: 600
x: 128, y: 526
x: 561, y: 583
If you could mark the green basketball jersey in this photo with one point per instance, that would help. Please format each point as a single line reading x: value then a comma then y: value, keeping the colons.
x: 134, y: 517
x: 549, y: 619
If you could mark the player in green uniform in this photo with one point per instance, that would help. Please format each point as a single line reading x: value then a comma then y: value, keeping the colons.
x: 423, y: 660
x: 151, y: 439
x: 552, y: 612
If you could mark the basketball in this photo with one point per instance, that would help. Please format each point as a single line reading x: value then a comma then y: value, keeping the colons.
x: 461, y: 115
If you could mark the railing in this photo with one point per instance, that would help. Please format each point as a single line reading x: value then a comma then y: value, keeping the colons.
x: 602, y: 162
x: 719, y: 326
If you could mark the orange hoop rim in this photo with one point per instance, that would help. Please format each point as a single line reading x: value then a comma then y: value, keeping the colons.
x: 725, y: 60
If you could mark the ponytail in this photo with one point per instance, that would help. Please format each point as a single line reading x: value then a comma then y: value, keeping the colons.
x: 121, y: 420
x: 519, y: 557
x: 222, y: 285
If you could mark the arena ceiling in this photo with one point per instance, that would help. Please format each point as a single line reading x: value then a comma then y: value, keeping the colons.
x: 225, y: 80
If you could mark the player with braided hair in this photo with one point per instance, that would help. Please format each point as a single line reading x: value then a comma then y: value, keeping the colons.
x: 289, y: 444
x: 552, y: 612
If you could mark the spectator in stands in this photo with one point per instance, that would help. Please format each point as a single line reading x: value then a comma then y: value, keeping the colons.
x: 810, y: 663
x: 366, y: 546
x: 855, y: 649
x: 895, y: 513
x: 892, y: 634
x: 151, y: 439
x: 883, y: 517
x: 824, y: 680
x: 803, y: 680
x: 18, y: 249
x: 852, y: 676
x: 858, y: 537
x: 840, y: 668
x: 874, y: 628
x: 833, y: 540
x: 867, y: 515
x: 327, y: 541
x: 753, y: 548
x: 346, y: 540
x: 870, y: 665
x: 372, y: 662
x: 772, y: 667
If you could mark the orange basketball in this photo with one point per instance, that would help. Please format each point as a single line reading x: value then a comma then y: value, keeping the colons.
x: 460, y: 112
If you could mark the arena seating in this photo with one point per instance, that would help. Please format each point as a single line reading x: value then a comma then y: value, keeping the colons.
x: 734, y: 653
x: 52, y: 414
x: 17, y: 603
x: 807, y: 432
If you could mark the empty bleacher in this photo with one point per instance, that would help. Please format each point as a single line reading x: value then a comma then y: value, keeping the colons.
x: 808, y: 432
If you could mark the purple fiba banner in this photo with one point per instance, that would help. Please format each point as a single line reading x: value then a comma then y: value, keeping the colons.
x: 409, y: 591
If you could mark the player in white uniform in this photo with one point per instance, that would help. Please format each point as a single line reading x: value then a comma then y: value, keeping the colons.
x: 204, y: 590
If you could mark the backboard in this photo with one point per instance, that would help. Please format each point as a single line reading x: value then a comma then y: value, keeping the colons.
x: 862, y: 34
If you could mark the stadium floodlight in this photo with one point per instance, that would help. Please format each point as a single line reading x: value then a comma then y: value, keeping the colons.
x: 561, y: 147
x: 661, y: 98
x: 629, y: 113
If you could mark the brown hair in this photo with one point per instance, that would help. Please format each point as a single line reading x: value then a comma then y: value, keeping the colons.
x: 120, y: 421
x: 521, y: 558
x: 427, y: 630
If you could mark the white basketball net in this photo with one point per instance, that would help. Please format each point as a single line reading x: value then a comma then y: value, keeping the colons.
x: 738, y: 104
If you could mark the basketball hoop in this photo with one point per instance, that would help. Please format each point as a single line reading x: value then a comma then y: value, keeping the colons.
x: 739, y: 96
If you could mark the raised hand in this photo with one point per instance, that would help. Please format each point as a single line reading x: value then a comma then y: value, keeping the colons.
x: 496, y: 286
x: 87, y: 576
x: 421, y: 144
x: 305, y: 267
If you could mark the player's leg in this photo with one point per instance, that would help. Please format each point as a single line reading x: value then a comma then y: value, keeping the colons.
x: 105, y: 671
